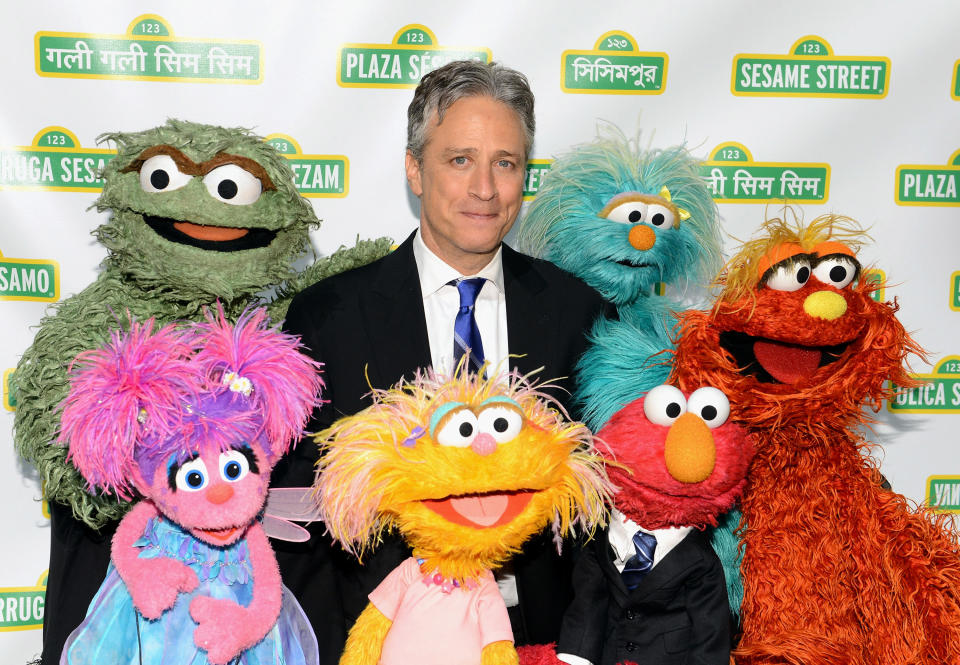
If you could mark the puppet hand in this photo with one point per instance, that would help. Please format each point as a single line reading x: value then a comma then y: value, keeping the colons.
x: 539, y: 654
x: 154, y: 584
x: 224, y: 628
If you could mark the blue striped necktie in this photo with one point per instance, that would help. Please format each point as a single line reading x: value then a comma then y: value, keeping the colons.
x: 466, y: 334
x: 640, y: 563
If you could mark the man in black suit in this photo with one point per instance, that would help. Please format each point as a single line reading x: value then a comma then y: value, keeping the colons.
x: 470, y: 130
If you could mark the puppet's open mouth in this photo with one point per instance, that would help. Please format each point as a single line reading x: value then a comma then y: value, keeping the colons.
x: 772, y: 361
x: 223, y: 535
x: 214, y: 238
x: 630, y: 264
x: 481, y: 510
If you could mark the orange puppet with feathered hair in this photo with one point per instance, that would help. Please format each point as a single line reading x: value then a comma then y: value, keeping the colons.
x: 837, y: 569
x: 467, y: 469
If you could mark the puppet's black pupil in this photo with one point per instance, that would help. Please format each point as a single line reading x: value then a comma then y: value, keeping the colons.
x: 838, y: 273
x: 160, y: 179
x: 466, y: 429
x: 635, y: 216
x: 657, y: 219
x: 708, y: 412
x: 673, y: 409
x: 803, y: 275
x: 194, y: 479
x: 233, y: 470
x: 227, y: 189
x: 501, y: 424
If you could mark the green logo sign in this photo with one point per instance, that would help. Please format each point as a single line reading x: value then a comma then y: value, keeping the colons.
x: 315, y: 176
x: 734, y: 177
x: 940, y: 392
x: 943, y: 493
x: 21, y: 608
x: 29, y: 279
x: 615, y: 66
x: 147, y: 52
x: 955, y: 86
x: 810, y: 70
x: 401, y: 64
x: 55, y: 162
x: 878, y: 277
x: 955, y: 291
x: 928, y: 184
x: 537, y: 170
x: 9, y: 399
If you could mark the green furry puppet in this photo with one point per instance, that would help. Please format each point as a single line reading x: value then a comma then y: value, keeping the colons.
x: 200, y: 214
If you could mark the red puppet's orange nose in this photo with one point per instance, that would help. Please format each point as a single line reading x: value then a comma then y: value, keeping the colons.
x: 219, y: 493
x: 689, y: 450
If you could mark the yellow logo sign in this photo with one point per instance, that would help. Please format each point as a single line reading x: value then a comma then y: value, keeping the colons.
x: 810, y: 69
x: 315, y: 176
x: 148, y: 51
x: 54, y: 162
x: 29, y: 279
x: 413, y: 53
x: 940, y: 392
x: 929, y: 184
x: 21, y: 608
x: 615, y: 66
x: 734, y: 177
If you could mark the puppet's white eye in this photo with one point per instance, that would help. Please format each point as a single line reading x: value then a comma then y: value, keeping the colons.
x: 192, y: 476
x: 459, y: 429
x: 710, y: 404
x: 660, y: 216
x: 664, y: 404
x: 234, y: 465
x: 234, y: 185
x: 501, y: 422
x: 629, y: 212
x: 160, y: 174
x: 789, y: 275
x: 837, y: 271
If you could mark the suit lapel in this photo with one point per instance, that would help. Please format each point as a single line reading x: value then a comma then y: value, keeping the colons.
x: 531, y: 323
x: 392, y: 311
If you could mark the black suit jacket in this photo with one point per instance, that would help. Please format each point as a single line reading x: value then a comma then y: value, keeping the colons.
x: 677, y: 615
x: 368, y: 324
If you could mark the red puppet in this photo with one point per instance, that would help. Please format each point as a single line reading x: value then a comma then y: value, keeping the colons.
x: 650, y: 589
x: 837, y: 569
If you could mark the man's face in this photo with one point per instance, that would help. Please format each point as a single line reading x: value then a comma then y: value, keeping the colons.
x: 470, y: 182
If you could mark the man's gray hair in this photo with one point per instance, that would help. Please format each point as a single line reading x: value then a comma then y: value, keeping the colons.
x: 467, y: 78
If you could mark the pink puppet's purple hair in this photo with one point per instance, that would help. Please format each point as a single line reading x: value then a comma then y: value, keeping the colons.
x: 283, y: 385
x: 140, y: 378
x: 146, y: 399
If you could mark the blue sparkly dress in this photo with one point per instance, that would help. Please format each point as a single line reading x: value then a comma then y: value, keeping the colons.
x: 115, y: 633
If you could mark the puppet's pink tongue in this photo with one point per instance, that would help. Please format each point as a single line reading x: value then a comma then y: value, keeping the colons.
x: 787, y: 363
x: 481, y: 510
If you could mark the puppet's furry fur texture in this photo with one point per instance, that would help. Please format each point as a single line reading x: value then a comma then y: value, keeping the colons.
x: 836, y: 569
x: 426, y: 448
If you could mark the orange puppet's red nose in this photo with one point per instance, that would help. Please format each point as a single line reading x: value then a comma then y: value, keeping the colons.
x: 219, y: 493
x: 642, y: 237
x: 689, y: 450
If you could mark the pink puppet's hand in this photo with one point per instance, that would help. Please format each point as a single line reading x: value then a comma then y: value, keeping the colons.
x: 155, y: 583
x: 224, y: 628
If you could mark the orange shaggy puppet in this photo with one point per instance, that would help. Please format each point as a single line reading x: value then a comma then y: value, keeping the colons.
x: 467, y: 469
x: 836, y: 568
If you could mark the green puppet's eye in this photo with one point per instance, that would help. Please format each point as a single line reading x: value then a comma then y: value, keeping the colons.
x: 234, y: 185
x: 160, y: 174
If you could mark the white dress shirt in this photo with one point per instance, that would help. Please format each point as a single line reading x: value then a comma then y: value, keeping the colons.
x: 441, y: 302
x: 620, y: 535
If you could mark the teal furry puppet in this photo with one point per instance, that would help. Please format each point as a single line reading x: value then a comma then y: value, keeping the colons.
x: 200, y: 214
x: 624, y: 219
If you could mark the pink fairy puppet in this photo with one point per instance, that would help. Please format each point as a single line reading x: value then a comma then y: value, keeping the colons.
x: 192, y: 417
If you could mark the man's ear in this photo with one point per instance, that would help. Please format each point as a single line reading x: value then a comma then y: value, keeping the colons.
x: 413, y: 174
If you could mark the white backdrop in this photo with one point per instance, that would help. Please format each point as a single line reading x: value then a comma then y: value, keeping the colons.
x: 292, y: 88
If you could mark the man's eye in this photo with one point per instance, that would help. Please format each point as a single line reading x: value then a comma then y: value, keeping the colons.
x: 505, y: 164
x: 460, y: 161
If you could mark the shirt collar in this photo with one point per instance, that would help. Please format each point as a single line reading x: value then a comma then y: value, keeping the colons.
x: 435, y: 273
x: 621, y: 532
